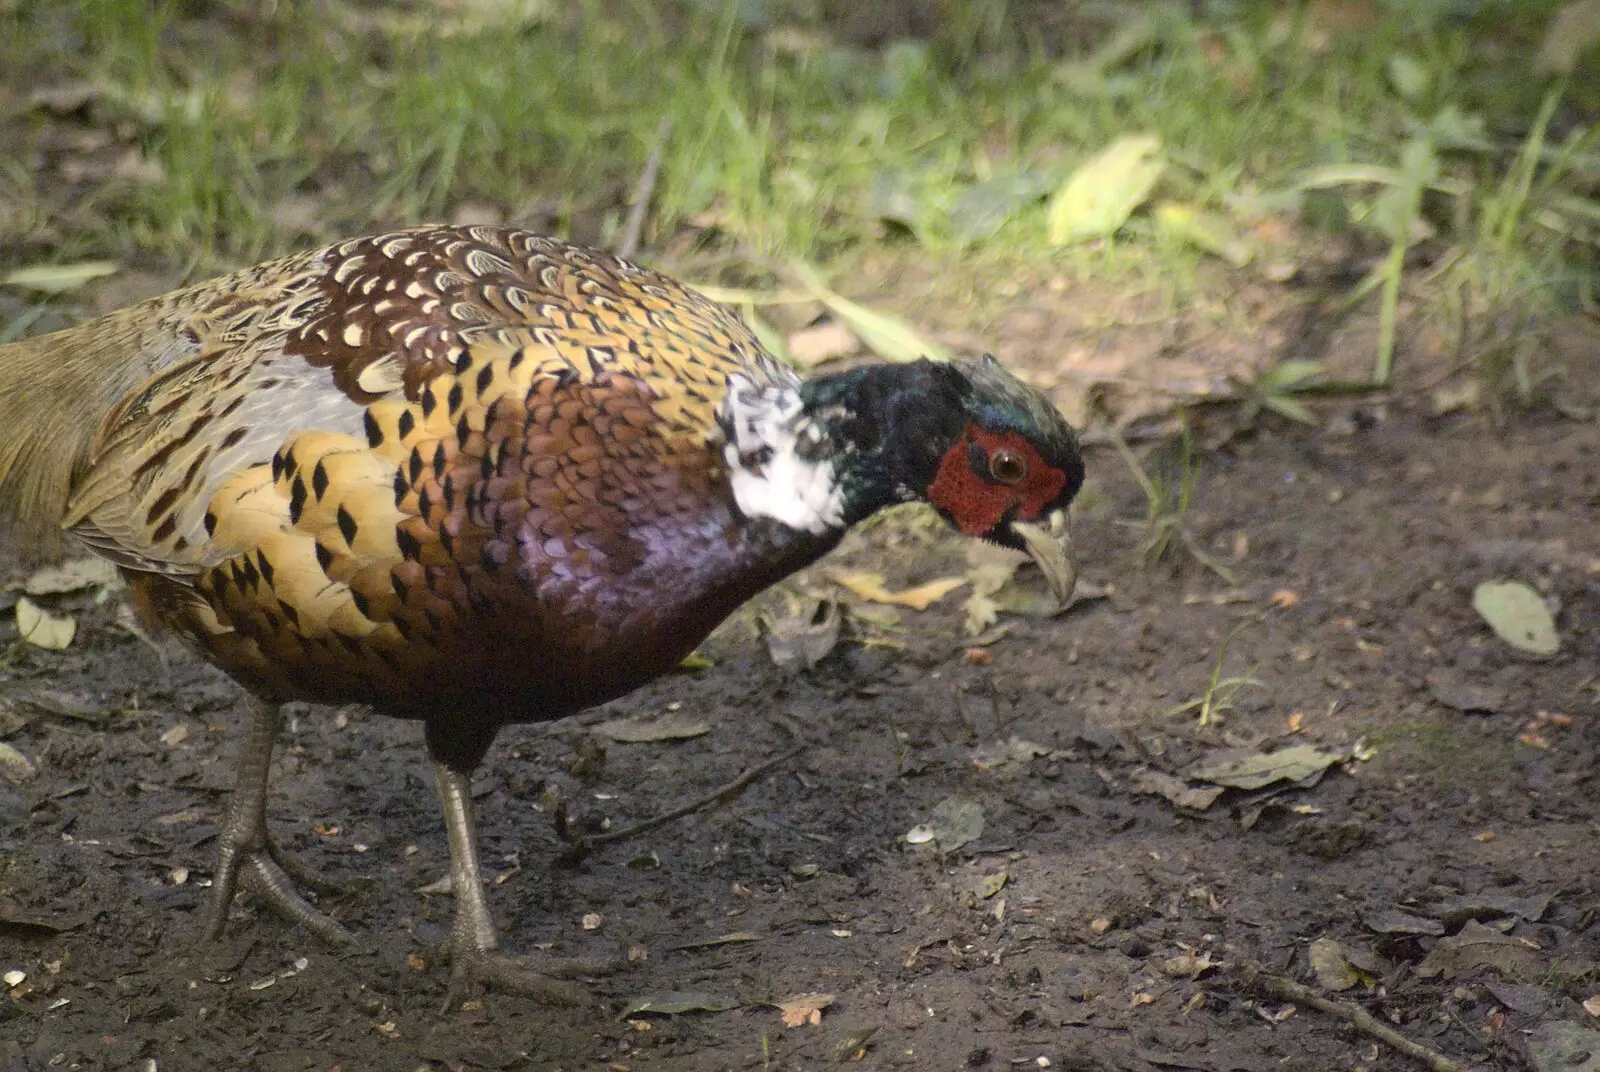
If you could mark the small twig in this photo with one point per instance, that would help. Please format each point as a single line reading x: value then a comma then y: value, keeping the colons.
x: 646, y: 188
x: 1282, y: 989
x: 581, y: 846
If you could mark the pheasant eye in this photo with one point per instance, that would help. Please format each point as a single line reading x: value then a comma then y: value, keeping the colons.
x: 1007, y: 466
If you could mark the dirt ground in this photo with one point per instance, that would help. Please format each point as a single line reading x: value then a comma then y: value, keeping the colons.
x: 1092, y: 924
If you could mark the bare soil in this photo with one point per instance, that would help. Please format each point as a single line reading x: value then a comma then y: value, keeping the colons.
x: 1125, y: 925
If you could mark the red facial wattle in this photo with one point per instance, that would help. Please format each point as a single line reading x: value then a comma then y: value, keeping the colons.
x: 976, y: 503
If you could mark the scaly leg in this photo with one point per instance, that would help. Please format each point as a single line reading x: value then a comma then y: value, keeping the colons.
x: 473, y: 947
x: 246, y: 856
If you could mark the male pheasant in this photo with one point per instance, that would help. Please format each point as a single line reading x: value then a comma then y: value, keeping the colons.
x: 478, y: 477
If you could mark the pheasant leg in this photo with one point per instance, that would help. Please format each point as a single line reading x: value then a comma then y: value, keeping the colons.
x: 246, y: 856
x: 473, y: 947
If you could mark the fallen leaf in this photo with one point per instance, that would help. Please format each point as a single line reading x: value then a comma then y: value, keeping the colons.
x: 672, y: 726
x: 1517, y: 615
x: 176, y: 735
x: 1490, y: 904
x: 1394, y: 921
x: 1097, y: 198
x: 869, y: 586
x: 1329, y: 965
x: 804, y: 1009
x: 1476, y: 946
x: 822, y: 342
x: 1467, y: 698
x: 58, y: 278
x: 1284, y: 598
x: 677, y: 1002
x: 981, y: 612
x: 1187, y: 965
x: 989, y: 569
x: 990, y: 885
x: 885, y: 335
x: 982, y: 209
x: 803, y: 637
x: 1591, y: 1005
x: 71, y: 576
x: 953, y: 823
x: 1206, y: 231
x: 1261, y: 769
x: 43, y: 629
x: 15, y: 766
x: 853, y: 1047
x: 1176, y: 790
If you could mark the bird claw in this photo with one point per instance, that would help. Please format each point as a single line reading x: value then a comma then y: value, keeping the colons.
x: 312, y: 879
x: 261, y: 871
x: 545, y: 980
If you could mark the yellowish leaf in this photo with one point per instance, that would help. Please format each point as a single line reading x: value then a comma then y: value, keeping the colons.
x: 887, y: 336
x: 14, y: 766
x: 43, y: 629
x: 869, y: 586
x: 1097, y: 199
x: 1205, y: 231
x: 58, y: 278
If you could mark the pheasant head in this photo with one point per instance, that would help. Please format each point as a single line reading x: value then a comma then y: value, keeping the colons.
x: 990, y: 453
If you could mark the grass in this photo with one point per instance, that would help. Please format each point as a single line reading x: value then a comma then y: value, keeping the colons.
x: 1168, y: 485
x: 1217, y: 698
x: 263, y: 127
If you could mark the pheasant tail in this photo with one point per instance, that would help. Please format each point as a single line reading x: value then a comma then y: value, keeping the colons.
x: 54, y: 393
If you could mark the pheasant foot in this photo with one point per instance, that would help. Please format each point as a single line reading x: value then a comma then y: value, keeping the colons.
x: 473, y: 948
x: 247, y: 858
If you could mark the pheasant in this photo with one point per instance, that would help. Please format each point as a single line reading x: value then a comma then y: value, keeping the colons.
x: 478, y: 477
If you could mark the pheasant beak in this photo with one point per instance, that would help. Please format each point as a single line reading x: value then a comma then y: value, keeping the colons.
x: 1050, y: 547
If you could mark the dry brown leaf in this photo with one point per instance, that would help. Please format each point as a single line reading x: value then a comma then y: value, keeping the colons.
x: 1187, y: 965
x: 804, y: 1009
x: 673, y: 726
x: 869, y: 586
x: 1176, y: 790
x: 822, y: 342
